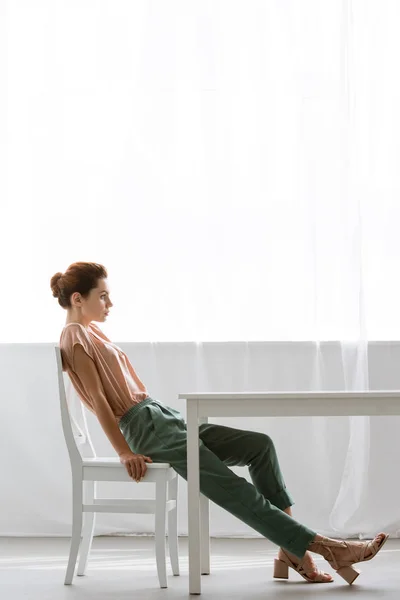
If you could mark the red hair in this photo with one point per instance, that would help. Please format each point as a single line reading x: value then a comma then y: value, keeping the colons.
x: 79, y: 277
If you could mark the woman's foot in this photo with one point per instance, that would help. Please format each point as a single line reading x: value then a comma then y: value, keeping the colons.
x: 341, y: 554
x: 306, y: 567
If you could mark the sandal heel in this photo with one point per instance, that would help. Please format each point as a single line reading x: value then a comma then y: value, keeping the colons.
x: 281, y: 569
x: 348, y: 573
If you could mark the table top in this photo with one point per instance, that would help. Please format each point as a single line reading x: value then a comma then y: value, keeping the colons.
x: 294, y: 404
x: 303, y: 395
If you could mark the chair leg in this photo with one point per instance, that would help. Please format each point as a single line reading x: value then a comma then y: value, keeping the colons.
x: 77, y: 498
x: 88, y: 528
x: 173, y: 526
x: 161, y: 501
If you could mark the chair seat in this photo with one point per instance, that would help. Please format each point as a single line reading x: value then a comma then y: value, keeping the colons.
x: 106, y: 461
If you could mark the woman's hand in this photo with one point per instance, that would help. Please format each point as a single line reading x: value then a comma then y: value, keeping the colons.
x: 135, y: 464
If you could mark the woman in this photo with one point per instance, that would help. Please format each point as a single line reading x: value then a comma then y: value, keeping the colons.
x: 142, y: 429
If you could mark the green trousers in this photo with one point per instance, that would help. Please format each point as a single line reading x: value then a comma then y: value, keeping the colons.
x: 158, y: 431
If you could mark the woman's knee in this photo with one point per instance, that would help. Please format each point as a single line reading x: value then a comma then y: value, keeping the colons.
x: 264, y: 442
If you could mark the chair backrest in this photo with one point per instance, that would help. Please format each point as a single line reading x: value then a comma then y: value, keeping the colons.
x: 76, y: 435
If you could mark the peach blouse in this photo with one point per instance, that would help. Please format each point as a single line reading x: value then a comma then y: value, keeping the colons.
x: 118, y: 381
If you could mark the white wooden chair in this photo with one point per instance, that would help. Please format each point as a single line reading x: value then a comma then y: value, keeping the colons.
x: 86, y: 471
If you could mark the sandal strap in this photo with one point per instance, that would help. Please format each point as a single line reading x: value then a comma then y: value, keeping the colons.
x: 301, y: 570
x: 357, y: 554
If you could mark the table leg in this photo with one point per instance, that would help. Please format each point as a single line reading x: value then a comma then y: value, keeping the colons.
x: 205, y: 527
x: 192, y: 419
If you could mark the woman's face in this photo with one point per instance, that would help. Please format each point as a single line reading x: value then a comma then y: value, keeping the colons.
x: 97, y: 305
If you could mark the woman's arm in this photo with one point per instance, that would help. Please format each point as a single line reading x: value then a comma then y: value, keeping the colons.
x: 87, y: 372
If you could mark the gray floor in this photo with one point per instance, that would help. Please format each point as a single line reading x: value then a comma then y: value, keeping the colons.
x: 124, y: 568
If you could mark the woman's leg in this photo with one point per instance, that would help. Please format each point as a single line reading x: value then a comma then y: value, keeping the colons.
x: 241, y: 448
x: 237, y: 447
x: 160, y: 432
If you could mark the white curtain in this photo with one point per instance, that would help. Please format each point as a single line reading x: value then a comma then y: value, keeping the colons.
x: 233, y: 164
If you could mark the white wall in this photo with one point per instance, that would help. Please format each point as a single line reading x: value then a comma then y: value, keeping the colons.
x: 35, y: 475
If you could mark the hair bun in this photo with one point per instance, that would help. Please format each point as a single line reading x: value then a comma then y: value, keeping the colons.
x: 54, y: 284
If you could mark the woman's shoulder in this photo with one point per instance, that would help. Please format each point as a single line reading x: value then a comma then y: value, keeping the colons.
x: 74, y: 333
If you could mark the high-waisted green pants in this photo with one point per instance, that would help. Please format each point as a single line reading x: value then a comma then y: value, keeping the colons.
x: 158, y: 431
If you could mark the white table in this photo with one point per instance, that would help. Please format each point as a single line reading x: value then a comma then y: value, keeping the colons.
x: 259, y: 404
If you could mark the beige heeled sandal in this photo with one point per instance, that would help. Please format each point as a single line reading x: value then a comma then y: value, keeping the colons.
x: 282, y: 565
x: 344, y: 568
